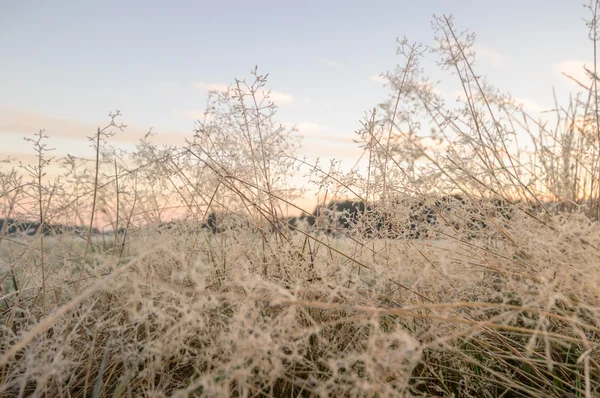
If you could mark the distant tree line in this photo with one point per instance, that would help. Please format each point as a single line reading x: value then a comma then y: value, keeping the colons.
x: 18, y: 227
x: 402, y: 218
x: 215, y: 222
x: 408, y: 218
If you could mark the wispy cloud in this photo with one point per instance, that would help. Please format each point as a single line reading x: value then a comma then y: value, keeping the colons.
x: 429, y: 87
x: 194, y: 114
x: 280, y: 98
x: 211, y: 86
x: 379, y: 79
x: 25, y: 121
x: 26, y: 158
x: 277, y: 97
x: 530, y: 105
x: 332, y: 63
x: 310, y: 128
x: 489, y: 54
x: 15, y: 158
x: 329, y: 145
x: 422, y: 86
x: 13, y: 120
x: 575, y: 69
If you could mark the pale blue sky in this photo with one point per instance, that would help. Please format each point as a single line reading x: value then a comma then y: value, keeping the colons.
x: 66, y: 64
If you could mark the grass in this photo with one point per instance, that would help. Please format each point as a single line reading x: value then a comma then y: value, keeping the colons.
x: 480, y: 305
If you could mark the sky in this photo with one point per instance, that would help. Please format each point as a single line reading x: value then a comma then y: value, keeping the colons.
x: 64, y: 65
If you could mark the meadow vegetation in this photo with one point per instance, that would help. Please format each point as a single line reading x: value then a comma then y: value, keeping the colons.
x: 461, y: 260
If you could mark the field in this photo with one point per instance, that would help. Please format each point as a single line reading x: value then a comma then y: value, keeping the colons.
x: 210, y: 281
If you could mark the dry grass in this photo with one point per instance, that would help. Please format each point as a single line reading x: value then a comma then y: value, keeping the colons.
x: 479, y: 305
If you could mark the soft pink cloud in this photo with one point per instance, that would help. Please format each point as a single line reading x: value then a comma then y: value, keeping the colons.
x: 14, y: 120
x: 211, y: 86
x: 530, y: 105
x: 310, y: 128
x: 193, y: 114
x: 332, y: 63
x: 489, y: 54
x: 379, y: 79
x: 280, y: 98
x: 576, y: 68
x: 277, y: 97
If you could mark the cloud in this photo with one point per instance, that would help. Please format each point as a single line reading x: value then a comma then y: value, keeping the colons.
x: 16, y: 157
x: 486, y: 53
x: 14, y: 120
x: 332, y: 63
x: 193, y: 114
x: 429, y: 88
x: 211, y: 86
x: 329, y: 146
x: 575, y: 69
x: 277, y: 97
x: 379, y: 79
x: 24, y: 121
x: 530, y: 105
x: 310, y: 128
x: 422, y: 86
x: 280, y: 98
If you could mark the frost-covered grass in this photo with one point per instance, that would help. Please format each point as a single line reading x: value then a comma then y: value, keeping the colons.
x: 235, y: 314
